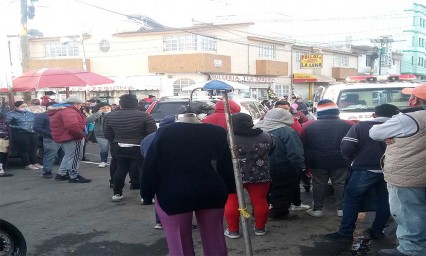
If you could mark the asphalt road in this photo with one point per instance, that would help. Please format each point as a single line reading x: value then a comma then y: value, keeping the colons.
x: 59, y: 218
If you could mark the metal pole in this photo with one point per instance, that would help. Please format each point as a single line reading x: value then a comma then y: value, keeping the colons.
x: 84, y: 63
x: 238, y: 180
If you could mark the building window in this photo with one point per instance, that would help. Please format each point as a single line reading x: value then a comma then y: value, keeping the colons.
x: 189, y: 43
x: 181, y: 83
x: 267, y: 51
x: 282, y: 90
x: 299, y: 55
x: 340, y: 61
x: 60, y: 50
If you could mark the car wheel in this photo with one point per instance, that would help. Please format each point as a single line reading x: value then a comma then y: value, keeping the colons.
x: 12, y: 242
x: 40, y: 152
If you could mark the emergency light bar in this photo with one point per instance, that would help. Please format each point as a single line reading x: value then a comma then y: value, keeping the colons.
x: 375, y: 79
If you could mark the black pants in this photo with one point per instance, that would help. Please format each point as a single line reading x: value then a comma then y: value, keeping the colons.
x: 296, y: 200
x: 26, y: 145
x: 129, y: 160
x: 3, y: 158
x: 282, y: 192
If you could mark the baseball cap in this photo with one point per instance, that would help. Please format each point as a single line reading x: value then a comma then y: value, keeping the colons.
x: 419, y: 91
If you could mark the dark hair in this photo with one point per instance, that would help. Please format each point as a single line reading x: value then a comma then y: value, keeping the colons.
x: 386, y: 110
x: 151, y: 96
x: 282, y: 102
x: 49, y: 93
x: 100, y: 105
x: 18, y: 103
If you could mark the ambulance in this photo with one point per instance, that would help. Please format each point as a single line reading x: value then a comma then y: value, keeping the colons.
x: 358, y: 97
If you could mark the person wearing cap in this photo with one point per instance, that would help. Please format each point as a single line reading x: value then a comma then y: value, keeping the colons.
x: 24, y: 138
x: 405, y: 173
x: 321, y: 139
x: 67, y: 124
x: 125, y: 128
x: 49, y: 96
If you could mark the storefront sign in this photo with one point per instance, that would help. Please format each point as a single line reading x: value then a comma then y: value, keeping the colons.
x: 311, y: 61
x: 304, y: 78
x: 248, y: 79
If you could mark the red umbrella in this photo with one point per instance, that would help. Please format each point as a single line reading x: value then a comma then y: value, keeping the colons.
x: 57, y: 78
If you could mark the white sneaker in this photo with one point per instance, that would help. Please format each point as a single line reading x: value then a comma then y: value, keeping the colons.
x: 232, y: 235
x: 316, y: 213
x: 301, y: 207
x: 158, y: 226
x: 102, y: 165
x: 117, y: 198
x: 339, y: 213
x: 31, y: 167
x: 153, y: 201
x: 38, y: 166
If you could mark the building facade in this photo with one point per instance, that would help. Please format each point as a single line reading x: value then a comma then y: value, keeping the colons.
x: 162, y: 61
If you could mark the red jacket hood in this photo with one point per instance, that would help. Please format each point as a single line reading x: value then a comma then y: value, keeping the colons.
x: 233, y: 106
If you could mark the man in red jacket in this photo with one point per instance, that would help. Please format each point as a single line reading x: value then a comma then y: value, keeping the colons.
x: 67, y: 124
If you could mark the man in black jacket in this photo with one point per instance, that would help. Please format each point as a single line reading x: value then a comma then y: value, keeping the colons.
x: 364, y: 153
x: 125, y: 128
x: 321, y: 139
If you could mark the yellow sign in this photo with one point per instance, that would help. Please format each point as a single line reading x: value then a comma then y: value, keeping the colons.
x: 311, y: 61
x: 303, y: 76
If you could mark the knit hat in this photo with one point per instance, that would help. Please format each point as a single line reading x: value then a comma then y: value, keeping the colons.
x: 327, y: 108
x: 74, y: 100
x: 128, y: 101
x: 242, y: 121
x: 167, y: 120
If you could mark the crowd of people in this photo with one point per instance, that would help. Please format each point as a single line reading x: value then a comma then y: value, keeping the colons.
x: 185, y: 166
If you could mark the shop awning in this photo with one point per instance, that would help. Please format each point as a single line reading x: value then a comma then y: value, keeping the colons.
x: 309, y: 78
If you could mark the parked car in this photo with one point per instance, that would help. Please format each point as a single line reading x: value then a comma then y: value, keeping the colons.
x: 175, y: 104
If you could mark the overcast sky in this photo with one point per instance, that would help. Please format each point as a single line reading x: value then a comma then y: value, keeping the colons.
x: 326, y: 21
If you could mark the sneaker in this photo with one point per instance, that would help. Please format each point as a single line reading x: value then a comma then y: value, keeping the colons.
x: 47, y: 175
x: 116, y: 198
x: 85, y: 159
x: 102, y: 165
x: 339, y: 237
x: 38, y: 166
x: 31, y: 167
x: 79, y: 179
x: 260, y: 231
x: 134, y: 186
x: 232, y: 235
x: 287, y: 216
x: 5, y: 174
x: 194, y: 227
x: 339, y: 213
x: 158, y: 226
x: 142, y: 201
x: 62, y: 177
x: 301, y: 207
x: 315, y: 213
x: 375, y: 235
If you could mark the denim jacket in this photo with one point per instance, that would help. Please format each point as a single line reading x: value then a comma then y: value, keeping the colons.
x: 21, y: 121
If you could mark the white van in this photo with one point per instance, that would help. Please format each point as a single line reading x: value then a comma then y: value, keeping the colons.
x: 357, y: 101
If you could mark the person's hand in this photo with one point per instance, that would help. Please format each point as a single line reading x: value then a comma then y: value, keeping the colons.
x: 389, y: 141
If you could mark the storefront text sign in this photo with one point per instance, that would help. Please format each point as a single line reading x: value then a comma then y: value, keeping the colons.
x: 311, y: 61
x: 248, y: 79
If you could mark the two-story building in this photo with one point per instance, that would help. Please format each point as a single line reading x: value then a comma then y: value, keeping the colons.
x: 161, y: 61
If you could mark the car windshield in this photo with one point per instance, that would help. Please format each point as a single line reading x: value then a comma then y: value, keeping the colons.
x: 360, y: 100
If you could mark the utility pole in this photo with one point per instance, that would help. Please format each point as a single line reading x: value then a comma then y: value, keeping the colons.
x: 24, y: 44
x: 384, y: 43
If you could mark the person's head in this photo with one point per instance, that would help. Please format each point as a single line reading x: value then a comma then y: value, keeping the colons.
x: 167, y: 120
x: 233, y: 107
x: 49, y: 93
x: 327, y: 108
x: 21, y: 105
x: 385, y: 110
x: 74, y: 100
x: 242, y: 122
x: 279, y: 115
x: 418, y: 95
x: 152, y: 97
x: 128, y: 101
x: 35, y: 102
x: 92, y: 102
x: 283, y: 104
x: 299, y: 99
x: 103, y: 107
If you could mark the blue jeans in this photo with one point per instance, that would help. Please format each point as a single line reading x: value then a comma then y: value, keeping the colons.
x: 103, y: 145
x: 356, y: 190
x: 50, y: 151
x: 408, y: 208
